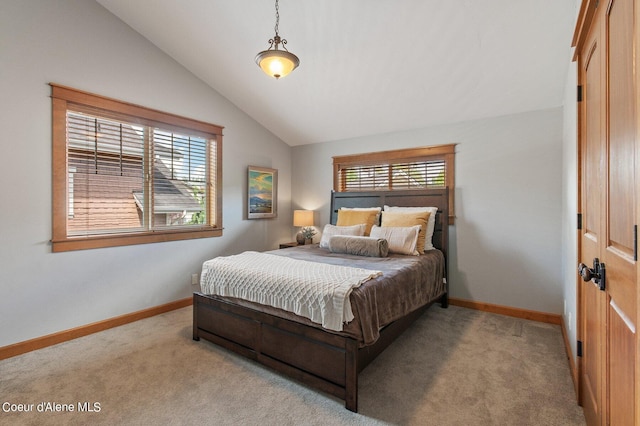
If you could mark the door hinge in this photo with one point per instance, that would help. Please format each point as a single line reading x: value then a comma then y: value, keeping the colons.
x: 580, y: 93
x: 580, y: 221
x: 635, y: 243
x: 579, y: 348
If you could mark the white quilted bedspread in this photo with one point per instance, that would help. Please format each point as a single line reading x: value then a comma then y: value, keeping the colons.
x: 313, y: 290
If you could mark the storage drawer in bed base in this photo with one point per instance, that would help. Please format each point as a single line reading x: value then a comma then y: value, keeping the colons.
x: 322, y: 360
x: 326, y: 361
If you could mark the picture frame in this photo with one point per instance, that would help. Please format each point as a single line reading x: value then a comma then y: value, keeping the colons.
x: 262, y: 192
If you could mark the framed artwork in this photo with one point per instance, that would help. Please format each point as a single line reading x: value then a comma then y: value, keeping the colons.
x: 262, y: 195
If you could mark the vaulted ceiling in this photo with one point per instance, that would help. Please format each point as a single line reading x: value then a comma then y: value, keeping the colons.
x: 368, y: 66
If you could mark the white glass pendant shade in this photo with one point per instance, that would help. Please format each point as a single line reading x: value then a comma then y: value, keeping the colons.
x: 277, y: 63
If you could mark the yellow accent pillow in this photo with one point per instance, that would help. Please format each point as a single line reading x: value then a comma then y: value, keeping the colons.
x: 408, y: 219
x: 349, y: 217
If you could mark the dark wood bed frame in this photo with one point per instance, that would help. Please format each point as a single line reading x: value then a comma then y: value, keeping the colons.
x: 324, y: 360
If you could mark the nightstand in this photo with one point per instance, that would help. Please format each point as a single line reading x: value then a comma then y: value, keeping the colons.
x: 287, y: 245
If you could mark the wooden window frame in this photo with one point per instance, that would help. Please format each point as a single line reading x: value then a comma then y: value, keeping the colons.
x: 428, y: 153
x: 65, y: 98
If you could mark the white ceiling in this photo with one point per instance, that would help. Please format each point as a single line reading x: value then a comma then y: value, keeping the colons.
x: 368, y: 66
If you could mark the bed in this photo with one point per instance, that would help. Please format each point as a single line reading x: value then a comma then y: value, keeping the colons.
x: 325, y: 359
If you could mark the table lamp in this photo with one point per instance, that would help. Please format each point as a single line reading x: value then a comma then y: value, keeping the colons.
x: 303, y: 219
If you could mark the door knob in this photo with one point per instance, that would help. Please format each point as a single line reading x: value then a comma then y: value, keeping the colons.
x: 585, y: 272
x: 597, y: 274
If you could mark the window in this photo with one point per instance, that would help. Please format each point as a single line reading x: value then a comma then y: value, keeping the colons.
x: 414, y: 168
x: 125, y: 174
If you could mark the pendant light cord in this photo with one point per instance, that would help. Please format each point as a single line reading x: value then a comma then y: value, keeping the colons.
x: 277, y: 17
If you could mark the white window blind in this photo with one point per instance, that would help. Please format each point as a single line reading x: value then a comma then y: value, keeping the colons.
x: 179, y: 196
x: 127, y: 174
x: 108, y: 162
x: 401, y: 175
x: 105, y: 167
x: 422, y: 168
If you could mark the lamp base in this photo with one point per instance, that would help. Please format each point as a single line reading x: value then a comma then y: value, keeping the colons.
x: 300, y: 238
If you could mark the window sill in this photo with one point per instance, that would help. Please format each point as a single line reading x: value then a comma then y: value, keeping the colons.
x: 84, y: 243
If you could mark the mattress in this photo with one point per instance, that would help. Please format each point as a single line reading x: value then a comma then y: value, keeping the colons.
x: 406, y: 284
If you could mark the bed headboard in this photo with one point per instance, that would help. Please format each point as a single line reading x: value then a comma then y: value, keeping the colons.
x: 407, y: 198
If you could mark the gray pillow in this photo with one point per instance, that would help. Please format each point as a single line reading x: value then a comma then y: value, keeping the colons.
x: 359, y: 246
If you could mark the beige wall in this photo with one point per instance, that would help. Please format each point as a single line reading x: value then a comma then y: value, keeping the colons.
x: 505, y: 245
x: 511, y: 243
x: 80, y: 44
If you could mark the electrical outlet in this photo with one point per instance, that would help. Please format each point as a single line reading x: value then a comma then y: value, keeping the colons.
x: 195, y: 279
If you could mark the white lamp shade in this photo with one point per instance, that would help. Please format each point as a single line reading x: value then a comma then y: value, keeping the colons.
x: 303, y: 218
x: 277, y: 63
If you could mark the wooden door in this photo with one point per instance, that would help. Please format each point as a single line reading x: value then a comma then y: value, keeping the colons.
x: 591, y: 299
x: 608, y: 312
x: 619, y: 251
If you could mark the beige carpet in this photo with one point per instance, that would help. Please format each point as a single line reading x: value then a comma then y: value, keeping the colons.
x: 452, y: 367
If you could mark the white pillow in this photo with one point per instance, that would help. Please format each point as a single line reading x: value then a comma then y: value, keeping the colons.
x: 401, y: 239
x: 431, y: 223
x: 331, y: 230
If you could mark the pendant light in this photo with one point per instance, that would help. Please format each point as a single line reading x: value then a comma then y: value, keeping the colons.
x: 274, y: 62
